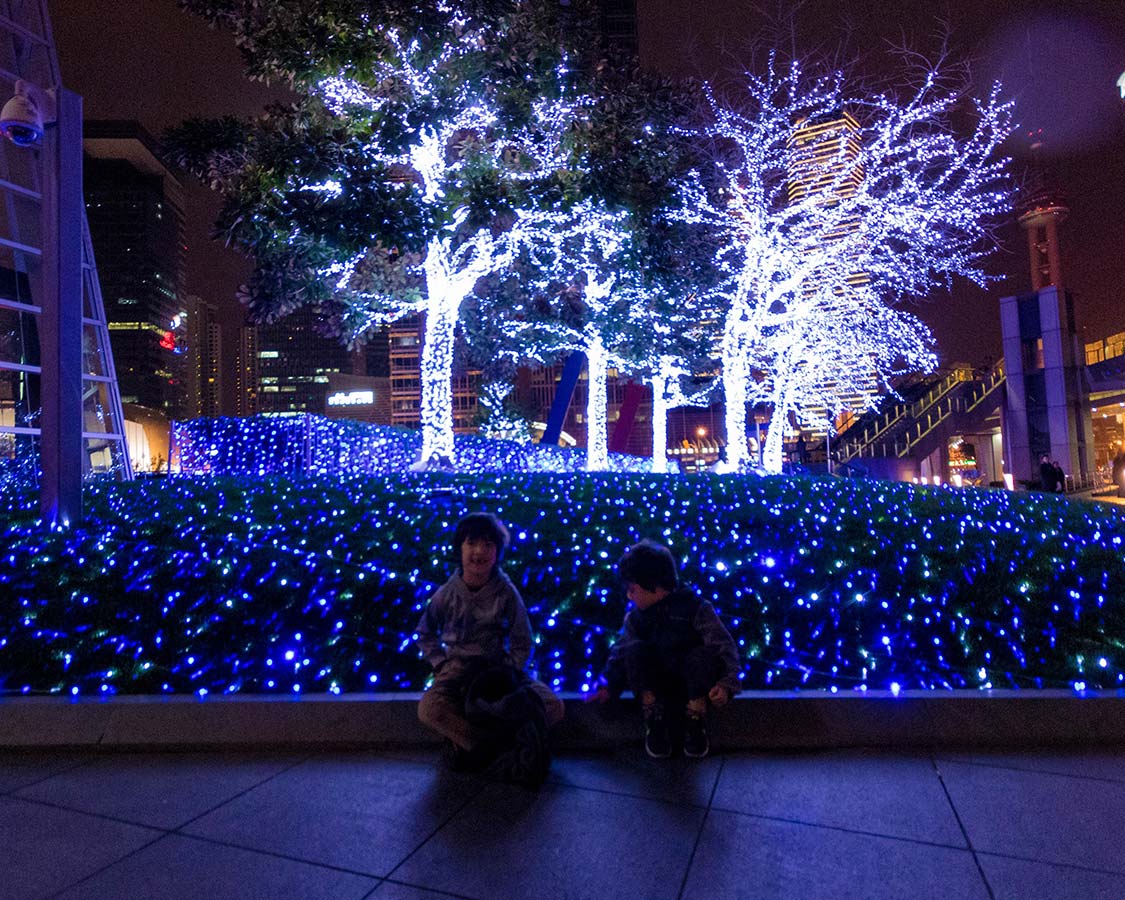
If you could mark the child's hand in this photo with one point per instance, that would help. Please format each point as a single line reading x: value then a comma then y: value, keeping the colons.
x: 718, y: 695
x: 601, y: 695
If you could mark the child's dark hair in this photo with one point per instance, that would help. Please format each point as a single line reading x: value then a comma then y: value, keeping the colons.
x: 649, y: 565
x: 481, y: 526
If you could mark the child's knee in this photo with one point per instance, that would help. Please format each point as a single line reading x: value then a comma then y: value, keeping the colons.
x: 433, y: 708
x: 554, y: 710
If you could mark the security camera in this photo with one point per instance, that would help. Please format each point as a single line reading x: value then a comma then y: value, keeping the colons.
x: 23, y: 117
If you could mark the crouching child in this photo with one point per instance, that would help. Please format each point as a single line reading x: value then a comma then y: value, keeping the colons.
x: 673, y: 650
x: 476, y: 635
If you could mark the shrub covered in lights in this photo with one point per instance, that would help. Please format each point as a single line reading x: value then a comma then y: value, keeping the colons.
x: 313, y: 584
x: 311, y: 444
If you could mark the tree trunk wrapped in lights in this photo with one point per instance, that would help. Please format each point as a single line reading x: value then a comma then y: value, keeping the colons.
x: 834, y: 206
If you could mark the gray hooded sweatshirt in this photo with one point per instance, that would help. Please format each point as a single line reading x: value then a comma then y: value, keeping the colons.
x: 490, y: 623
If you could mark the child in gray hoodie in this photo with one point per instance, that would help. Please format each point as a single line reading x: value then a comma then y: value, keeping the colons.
x: 477, y: 617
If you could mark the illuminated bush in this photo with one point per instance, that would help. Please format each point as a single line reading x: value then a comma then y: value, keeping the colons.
x: 315, y: 583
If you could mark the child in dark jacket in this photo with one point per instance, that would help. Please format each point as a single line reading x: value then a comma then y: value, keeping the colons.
x: 474, y: 621
x: 673, y: 644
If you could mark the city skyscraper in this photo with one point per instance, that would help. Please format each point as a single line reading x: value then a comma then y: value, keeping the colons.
x: 827, y: 167
x: 205, y: 355
x: 246, y: 373
x: 134, y: 204
x: 288, y: 366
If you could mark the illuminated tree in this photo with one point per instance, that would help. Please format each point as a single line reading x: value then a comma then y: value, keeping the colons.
x: 675, y: 345
x: 822, y: 238
x: 577, y: 294
x: 420, y: 128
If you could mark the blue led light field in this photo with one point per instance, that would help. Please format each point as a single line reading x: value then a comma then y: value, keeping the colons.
x: 313, y: 583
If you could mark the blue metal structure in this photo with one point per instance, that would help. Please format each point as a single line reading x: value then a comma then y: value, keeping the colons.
x: 60, y: 410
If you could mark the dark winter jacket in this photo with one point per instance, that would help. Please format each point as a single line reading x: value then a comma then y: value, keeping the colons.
x: 673, y: 626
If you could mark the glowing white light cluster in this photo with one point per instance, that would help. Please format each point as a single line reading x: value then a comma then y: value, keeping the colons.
x: 341, y: 93
x: 810, y: 274
x: 579, y: 244
x: 460, y: 129
x: 331, y: 188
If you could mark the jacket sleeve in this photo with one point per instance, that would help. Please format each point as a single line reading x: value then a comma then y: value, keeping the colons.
x: 519, y: 637
x: 716, y: 637
x: 429, y: 632
x: 616, y: 677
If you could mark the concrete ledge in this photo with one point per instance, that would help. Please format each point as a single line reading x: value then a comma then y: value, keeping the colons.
x: 754, y: 720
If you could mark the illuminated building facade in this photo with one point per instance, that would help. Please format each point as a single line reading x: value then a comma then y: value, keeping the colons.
x: 246, y: 373
x: 405, y: 364
x: 826, y: 166
x: 288, y: 366
x: 134, y: 205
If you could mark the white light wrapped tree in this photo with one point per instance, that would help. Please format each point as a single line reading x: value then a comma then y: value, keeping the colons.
x: 675, y: 352
x: 396, y: 182
x: 580, y: 296
x: 462, y: 141
x: 820, y: 234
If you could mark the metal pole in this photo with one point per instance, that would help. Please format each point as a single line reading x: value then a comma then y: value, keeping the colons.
x: 60, y: 492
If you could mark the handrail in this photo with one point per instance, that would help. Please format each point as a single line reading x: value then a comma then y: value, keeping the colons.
x: 937, y: 405
x: 852, y: 448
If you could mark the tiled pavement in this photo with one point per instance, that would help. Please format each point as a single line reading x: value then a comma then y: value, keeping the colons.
x: 395, y: 826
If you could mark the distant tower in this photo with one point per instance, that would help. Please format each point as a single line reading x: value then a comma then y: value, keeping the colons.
x: 619, y: 25
x: 1047, y: 410
x: 246, y: 376
x: 1044, y: 209
x: 205, y: 355
x: 135, y: 208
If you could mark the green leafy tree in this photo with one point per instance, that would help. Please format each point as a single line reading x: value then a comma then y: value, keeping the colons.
x: 401, y: 177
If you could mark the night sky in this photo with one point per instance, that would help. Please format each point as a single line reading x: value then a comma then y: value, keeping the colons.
x: 146, y: 60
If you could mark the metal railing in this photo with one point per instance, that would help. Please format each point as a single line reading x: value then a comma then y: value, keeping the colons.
x: 924, y: 415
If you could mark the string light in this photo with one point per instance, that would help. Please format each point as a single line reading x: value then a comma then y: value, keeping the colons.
x: 826, y: 222
x: 311, y: 580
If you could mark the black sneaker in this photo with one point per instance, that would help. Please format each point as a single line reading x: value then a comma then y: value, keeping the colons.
x: 657, y: 743
x: 695, y: 737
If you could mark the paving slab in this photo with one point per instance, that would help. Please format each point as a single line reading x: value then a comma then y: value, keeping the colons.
x: 897, y: 795
x: 389, y: 890
x: 562, y: 843
x: 1018, y: 879
x: 360, y: 812
x: 163, y: 790
x: 746, y: 858
x: 20, y: 769
x: 631, y: 771
x: 1039, y: 816
x: 180, y: 868
x: 43, y: 849
x: 1090, y: 763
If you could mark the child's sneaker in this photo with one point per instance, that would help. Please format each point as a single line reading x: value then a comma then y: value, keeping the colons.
x: 695, y: 737
x: 658, y: 744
